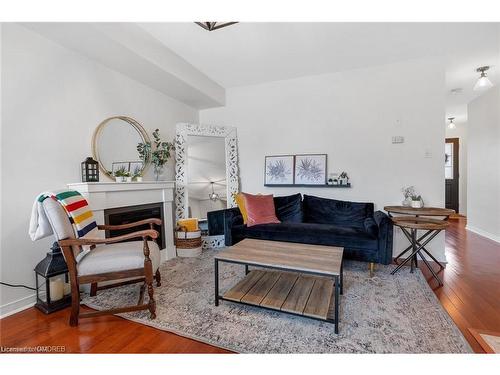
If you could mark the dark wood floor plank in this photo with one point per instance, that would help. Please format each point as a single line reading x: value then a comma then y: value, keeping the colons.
x: 471, y: 296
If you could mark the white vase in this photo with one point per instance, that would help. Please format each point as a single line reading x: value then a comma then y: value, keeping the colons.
x: 138, y: 179
x: 119, y: 179
x: 416, y: 204
x: 128, y: 179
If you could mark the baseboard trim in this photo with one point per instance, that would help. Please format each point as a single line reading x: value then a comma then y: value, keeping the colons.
x: 483, y: 233
x: 16, y: 306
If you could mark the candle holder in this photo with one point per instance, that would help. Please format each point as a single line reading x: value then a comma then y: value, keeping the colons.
x: 52, y: 290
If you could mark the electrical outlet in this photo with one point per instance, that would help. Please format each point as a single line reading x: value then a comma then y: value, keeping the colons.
x: 398, y: 139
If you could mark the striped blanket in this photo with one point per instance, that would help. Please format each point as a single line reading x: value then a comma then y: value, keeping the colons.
x: 76, y: 207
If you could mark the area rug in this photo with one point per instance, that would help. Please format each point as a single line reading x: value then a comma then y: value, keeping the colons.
x: 382, y: 314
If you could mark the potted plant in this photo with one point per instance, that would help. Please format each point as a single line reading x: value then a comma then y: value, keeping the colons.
x: 158, y: 153
x: 408, y: 192
x: 416, y: 201
x: 121, y: 174
x: 137, y: 175
x: 128, y: 177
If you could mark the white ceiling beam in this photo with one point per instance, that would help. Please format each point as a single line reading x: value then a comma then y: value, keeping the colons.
x: 132, y: 51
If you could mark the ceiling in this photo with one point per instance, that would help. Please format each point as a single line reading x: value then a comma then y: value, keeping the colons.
x: 253, y: 53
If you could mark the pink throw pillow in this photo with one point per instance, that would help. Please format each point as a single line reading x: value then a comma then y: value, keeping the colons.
x: 260, y: 209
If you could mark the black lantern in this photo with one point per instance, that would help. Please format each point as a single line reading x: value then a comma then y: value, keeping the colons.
x: 90, y: 170
x: 52, y: 282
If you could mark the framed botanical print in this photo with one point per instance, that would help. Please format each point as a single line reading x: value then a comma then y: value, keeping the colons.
x: 310, y: 169
x: 279, y: 170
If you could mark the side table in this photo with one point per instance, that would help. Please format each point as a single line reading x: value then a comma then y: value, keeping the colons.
x: 411, y: 223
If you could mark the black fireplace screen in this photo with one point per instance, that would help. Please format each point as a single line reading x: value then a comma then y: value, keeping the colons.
x: 125, y: 215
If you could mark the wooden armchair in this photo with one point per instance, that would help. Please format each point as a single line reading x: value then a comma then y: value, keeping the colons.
x: 109, y: 259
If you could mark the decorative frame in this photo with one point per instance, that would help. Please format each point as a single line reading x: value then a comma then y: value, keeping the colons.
x: 300, y: 177
x: 281, y: 166
x: 183, y: 130
x: 97, y: 132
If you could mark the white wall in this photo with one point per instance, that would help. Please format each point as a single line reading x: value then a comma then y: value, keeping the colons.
x: 483, y: 187
x: 351, y: 116
x: 460, y: 132
x: 52, y: 100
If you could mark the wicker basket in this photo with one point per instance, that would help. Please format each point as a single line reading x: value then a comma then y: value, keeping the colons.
x: 188, y: 243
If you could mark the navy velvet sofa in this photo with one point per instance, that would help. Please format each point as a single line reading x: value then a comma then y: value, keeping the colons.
x: 365, y: 235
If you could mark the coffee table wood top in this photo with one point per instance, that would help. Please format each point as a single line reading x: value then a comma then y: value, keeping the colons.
x: 424, y: 211
x: 325, y: 260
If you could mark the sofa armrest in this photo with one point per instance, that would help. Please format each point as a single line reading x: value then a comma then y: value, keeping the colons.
x: 232, y: 217
x: 385, y: 236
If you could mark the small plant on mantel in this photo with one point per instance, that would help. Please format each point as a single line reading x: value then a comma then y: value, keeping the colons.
x: 121, y: 174
x: 158, y: 155
x: 137, y: 175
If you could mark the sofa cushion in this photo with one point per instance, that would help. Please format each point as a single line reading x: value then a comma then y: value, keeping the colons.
x: 289, y: 208
x: 240, y: 202
x: 260, y: 209
x: 332, y: 211
x: 310, y: 233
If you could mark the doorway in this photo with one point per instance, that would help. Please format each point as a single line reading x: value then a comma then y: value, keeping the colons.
x: 451, y: 160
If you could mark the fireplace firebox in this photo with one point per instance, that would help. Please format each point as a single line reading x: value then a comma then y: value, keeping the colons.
x: 130, y: 214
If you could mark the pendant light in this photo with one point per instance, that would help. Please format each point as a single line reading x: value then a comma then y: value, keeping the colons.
x: 213, y: 196
x: 451, y: 125
x: 483, y: 83
x: 211, y: 26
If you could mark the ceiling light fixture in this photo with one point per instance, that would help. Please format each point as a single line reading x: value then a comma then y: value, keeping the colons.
x: 213, y: 196
x: 211, y: 26
x: 483, y: 83
x: 451, y: 125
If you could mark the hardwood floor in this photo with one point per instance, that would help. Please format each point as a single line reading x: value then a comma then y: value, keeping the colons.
x: 471, y: 295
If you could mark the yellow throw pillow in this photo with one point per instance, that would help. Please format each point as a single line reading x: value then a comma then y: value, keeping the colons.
x: 191, y: 224
x: 240, y: 201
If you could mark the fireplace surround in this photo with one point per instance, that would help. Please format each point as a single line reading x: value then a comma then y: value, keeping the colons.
x: 113, y: 198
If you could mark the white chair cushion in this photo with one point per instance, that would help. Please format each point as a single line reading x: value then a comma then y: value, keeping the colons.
x: 118, y: 257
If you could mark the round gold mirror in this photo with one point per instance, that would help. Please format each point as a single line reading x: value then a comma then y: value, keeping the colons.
x: 114, y: 146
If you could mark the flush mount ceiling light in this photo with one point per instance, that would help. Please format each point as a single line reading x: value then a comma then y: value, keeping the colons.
x: 483, y: 83
x: 211, y: 26
x: 451, y: 125
x: 213, y: 196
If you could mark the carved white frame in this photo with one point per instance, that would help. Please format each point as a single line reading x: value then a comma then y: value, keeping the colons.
x: 181, y: 162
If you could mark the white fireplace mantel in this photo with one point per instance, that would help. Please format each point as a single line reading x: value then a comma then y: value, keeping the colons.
x: 105, y: 195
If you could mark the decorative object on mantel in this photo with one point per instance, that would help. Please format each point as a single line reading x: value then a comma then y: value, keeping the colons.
x: 159, y: 155
x: 54, y: 293
x: 122, y: 175
x: 90, y: 170
x: 113, y: 155
x: 137, y: 172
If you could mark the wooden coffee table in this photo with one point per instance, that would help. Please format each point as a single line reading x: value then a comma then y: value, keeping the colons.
x: 295, y: 278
